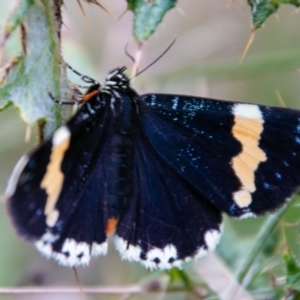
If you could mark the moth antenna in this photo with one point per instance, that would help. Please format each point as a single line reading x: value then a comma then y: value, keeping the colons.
x: 128, y: 54
x: 158, y: 58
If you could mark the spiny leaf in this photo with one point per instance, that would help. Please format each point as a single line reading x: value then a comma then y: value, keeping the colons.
x: 17, y: 17
x: 147, y: 15
x: 262, y: 9
x: 36, y: 72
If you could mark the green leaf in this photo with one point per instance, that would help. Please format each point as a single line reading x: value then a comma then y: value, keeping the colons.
x: 36, y: 72
x: 262, y: 237
x: 17, y: 17
x: 147, y: 15
x: 262, y: 9
x: 180, y: 278
x: 292, y: 270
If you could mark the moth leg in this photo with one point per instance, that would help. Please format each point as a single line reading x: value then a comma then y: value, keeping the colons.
x: 60, y: 102
x: 85, y: 78
x: 83, y: 86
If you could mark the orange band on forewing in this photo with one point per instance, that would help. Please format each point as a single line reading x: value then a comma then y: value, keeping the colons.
x: 88, y: 96
x: 247, y: 130
x: 111, y: 225
x: 53, y: 179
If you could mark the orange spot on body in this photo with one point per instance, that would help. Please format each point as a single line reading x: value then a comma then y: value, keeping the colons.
x: 111, y: 225
x: 88, y: 96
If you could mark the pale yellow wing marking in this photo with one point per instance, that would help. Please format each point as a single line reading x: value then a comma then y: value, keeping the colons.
x: 247, y: 129
x: 54, y: 177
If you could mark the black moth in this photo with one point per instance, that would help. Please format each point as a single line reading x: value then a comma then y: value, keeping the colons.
x: 157, y: 169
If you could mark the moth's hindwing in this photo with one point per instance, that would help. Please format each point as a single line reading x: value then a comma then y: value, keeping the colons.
x: 167, y: 221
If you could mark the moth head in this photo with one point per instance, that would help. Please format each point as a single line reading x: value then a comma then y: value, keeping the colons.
x: 116, y: 79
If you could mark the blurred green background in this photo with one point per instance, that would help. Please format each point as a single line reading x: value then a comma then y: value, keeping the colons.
x: 203, y: 61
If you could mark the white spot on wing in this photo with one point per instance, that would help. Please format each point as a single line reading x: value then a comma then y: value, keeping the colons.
x: 212, y: 238
x: 128, y: 252
x: 44, y: 248
x: 52, y: 217
x: 72, y: 254
x: 60, y: 135
x: 175, y: 103
x: 200, y: 253
x: 163, y: 256
x: 153, y: 100
x: 14, y: 178
x: 167, y: 257
x: 99, y: 249
x: 44, y: 244
x: 249, y: 111
x: 247, y: 215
